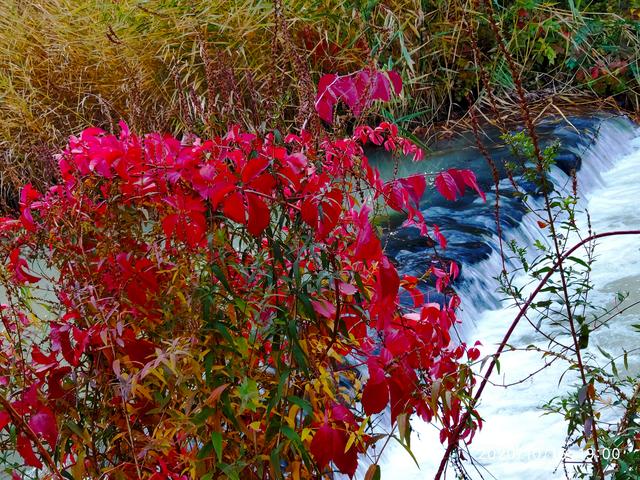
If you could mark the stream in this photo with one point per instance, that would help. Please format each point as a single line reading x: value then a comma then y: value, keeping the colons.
x: 517, y: 441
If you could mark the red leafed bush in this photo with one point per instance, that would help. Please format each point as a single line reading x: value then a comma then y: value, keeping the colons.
x: 216, y: 307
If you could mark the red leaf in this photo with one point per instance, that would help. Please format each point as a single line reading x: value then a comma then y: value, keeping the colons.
x: 169, y: 224
x: 26, y: 452
x: 415, y: 186
x: 446, y: 185
x: 375, y: 396
x: 253, y: 168
x: 258, y: 215
x: 328, y: 444
x: 388, y: 280
x: 367, y: 245
x: 347, y: 289
x: 218, y: 191
x: 417, y: 296
x: 343, y: 414
x: 400, y: 387
x: 363, y: 84
x: 331, y: 208
x: 39, y: 357
x: 473, y: 354
x: 309, y: 212
x: 60, y: 342
x: 346, y: 90
x: 451, y: 183
x: 5, y: 419
x: 382, y: 88
x: 454, y: 270
x: 43, y: 423
x: 470, y: 181
x: 441, y: 238
x: 19, y: 267
x: 326, y: 99
x: 324, y: 444
x: 347, y: 462
x: 396, y: 81
x: 233, y: 208
x: 264, y: 183
x: 324, y: 308
x: 54, y: 382
x: 82, y: 339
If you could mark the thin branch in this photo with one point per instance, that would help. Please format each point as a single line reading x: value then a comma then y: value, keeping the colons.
x: 453, y: 442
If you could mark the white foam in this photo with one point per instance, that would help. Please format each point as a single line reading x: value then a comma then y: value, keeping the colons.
x: 517, y: 441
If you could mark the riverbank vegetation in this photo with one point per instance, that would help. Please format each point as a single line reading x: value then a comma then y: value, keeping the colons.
x: 198, y: 66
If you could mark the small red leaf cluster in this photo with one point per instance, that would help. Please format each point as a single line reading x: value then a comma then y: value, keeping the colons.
x: 357, y: 90
x: 452, y: 183
x: 209, y: 303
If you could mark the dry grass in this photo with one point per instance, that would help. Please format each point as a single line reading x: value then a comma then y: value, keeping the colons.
x: 159, y: 65
x: 197, y: 65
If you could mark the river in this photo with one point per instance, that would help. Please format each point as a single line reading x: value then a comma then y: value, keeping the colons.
x: 517, y: 440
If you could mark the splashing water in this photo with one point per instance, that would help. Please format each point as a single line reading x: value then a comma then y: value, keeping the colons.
x: 517, y: 440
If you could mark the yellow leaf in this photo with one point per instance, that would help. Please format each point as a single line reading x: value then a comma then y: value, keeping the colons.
x: 306, y: 434
x: 77, y: 470
x: 352, y: 438
x: 144, y: 391
x: 291, y: 417
x: 404, y: 427
x: 255, y: 425
x: 363, y: 426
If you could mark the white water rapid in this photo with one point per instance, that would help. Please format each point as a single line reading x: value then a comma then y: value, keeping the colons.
x: 517, y: 440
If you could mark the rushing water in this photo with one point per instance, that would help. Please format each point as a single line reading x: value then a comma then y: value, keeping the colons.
x: 517, y: 441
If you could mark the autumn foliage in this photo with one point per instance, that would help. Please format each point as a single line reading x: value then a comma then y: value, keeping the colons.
x: 197, y: 308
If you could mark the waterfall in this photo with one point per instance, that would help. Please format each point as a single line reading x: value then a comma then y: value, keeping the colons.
x: 517, y: 441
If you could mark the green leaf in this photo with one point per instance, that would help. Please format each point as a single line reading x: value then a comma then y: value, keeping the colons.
x: 201, y: 417
x: 606, y: 355
x: 216, y: 440
x: 75, y: 428
x: 249, y: 395
x: 231, y: 471
x: 205, y: 451
x: 276, y: 394
x: 217, y: 271
x: 292, y: 435
x: 275, y: 461
x: 583, y: 341
x: 306, y: 407
x: 405, y: 53
x: 404, y: 428
x: 580, y: 261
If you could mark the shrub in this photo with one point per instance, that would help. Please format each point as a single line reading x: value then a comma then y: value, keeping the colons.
x: 211, y: 308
